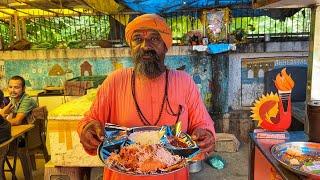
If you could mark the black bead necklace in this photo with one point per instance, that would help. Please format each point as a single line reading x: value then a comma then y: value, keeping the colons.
x: 143, y: 119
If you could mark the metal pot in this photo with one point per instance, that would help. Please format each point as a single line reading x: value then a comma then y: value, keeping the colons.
x: 195, y: 166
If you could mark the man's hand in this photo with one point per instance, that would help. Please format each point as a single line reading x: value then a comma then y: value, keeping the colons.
x: 91, y: 136
x: 8, y: 108
x: 204, y: 139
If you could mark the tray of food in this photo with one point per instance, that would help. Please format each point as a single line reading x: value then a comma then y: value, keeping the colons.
x: 299, y: 157
x: 147, y: 150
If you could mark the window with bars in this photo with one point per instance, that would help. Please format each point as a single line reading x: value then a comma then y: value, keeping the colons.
x: 81, y: 31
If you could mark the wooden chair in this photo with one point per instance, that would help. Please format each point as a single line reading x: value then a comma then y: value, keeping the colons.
x: 33, y: 143
x: 36, y: 138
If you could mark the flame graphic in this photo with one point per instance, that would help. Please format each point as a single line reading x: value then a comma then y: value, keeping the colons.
x: 283, y: 81
x: 265, y: 109
x: 269, y: 112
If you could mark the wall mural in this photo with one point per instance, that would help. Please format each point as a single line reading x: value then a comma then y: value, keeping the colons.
x: 86, y: 69
x: 54, y: 72
x: 253, y: 71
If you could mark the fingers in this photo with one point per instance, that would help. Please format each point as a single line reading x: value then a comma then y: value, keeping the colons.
x: 199, y: 134
x: 11, y: 107
x: 89, y: 142
x: 93, y: 138
x: 8, y: 108
x: 92, y: 135
x: 99, y: 132
x: 204, y: 139
x: 207, y: 145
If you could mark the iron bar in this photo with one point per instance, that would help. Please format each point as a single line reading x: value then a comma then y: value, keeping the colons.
x: 97, y: 27
x: 38, y: 7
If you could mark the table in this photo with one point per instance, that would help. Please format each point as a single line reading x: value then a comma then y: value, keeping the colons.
x: 16, y: 131
x: 263, y: 146
x: 68, y: 157
x: 65, y: 147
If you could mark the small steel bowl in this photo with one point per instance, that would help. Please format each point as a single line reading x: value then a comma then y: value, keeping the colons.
x: 195, y: 166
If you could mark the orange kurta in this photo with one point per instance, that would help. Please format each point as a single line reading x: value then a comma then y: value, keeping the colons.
x: 115, y: 104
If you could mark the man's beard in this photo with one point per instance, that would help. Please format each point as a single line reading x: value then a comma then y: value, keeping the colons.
x: 150, y: 68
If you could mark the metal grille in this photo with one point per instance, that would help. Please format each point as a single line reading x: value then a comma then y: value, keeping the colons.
x: 296, y: 27
x: 183, y: 22
x: 81, y: 31
x: 4, y: 33
x: 68, y: 30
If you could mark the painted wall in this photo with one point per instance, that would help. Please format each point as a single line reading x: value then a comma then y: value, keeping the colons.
x: 43, y: 68
x: 219, y: 85
x: 232, y: 87
x: 244, y: 88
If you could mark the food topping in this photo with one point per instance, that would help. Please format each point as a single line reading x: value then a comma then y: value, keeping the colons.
x: 143, y: 159
x: 177, y: 142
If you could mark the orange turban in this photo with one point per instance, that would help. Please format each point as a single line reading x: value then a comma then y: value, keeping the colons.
x: 150, y: 21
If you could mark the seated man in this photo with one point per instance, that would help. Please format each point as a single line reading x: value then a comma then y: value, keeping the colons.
x: 21, y: 102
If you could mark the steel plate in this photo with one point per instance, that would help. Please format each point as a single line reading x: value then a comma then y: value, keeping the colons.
x: 102, y: 156
x: 304, y: 148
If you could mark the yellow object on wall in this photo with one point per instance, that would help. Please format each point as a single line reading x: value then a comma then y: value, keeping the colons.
x: 52, y: 9
x: 109, y: 7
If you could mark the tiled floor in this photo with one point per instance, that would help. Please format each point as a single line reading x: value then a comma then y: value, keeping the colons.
x: 236, y: 168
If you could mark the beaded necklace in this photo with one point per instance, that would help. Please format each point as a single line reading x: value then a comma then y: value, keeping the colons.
x: 141, y: 115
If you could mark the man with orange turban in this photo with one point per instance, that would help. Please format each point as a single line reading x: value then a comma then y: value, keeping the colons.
x: 147, y: 22
x: 148, y: 94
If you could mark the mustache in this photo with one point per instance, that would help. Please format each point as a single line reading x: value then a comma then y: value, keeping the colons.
x: 152, y: 53
x: 151, y: 68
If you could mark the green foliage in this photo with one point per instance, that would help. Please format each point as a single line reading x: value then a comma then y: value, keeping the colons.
x: 62, y: 31
x: 78, y: 32
x: 298, y: 23
x: 4, y: 33
x: 180, y: 25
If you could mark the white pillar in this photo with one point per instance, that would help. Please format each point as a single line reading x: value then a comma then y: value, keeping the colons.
x: 313, y: 85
